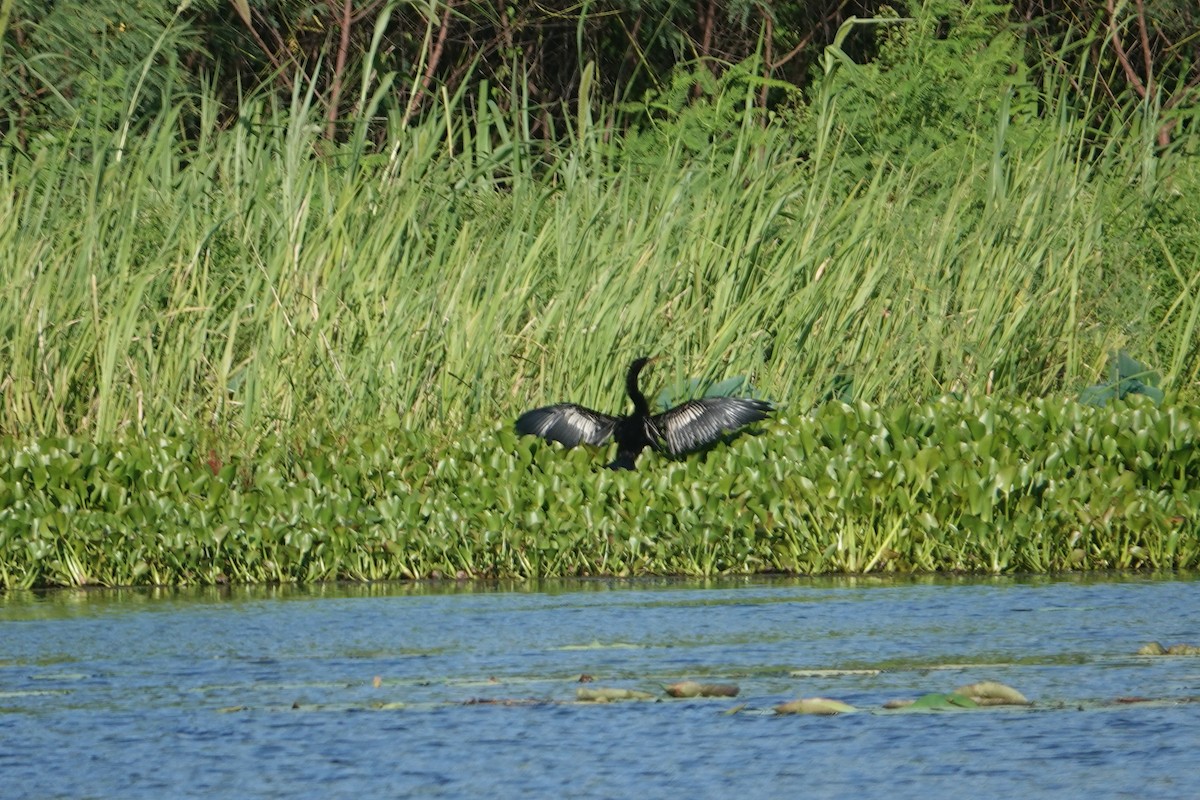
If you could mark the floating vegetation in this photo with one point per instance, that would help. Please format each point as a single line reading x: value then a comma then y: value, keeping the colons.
x: 504, y: 701
x: 608, y: 695
x: 596, y: 644
x: 933, y: 701
x: 1156, y: 649
x: 695, y: 689
x: 977, y: 696
x: 973, y: 695
x: 820, y: 706
x: 977, y: 485
x: 991, y: 693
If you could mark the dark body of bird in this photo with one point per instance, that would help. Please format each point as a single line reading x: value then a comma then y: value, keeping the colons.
x: 683, y: 429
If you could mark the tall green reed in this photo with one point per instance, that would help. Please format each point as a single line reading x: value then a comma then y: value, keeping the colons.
x: 247, y: 277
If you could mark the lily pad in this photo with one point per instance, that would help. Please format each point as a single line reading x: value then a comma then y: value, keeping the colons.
x: 935, y: 701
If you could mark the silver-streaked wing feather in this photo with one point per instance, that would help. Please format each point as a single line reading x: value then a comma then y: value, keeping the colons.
x: 699, y: 423
x: 568, y: 424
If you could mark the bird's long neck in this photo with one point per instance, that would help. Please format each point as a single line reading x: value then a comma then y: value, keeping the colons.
x: 640, y: 406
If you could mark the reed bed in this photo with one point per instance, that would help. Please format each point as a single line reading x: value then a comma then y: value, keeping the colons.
x: 244, y: 280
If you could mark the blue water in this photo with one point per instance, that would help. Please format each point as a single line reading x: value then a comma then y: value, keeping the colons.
x: 342, y: 691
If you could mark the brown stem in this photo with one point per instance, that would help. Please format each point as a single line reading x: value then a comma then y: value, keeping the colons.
x: 1165, y: 130
x: 767, y: 67
x: 367, y: 10
x: 339, y: 69
x: 833, y: 15
x: 710, y: 17
x: 276, y: 62
x: 710, y: 25
x: 1130, y: 74
x: 435, y: 55
x: 631, y: 52
x: 1147, y: 56
x: 795, y: 51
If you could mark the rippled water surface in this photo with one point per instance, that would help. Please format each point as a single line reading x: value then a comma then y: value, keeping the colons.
x: 468, y: 690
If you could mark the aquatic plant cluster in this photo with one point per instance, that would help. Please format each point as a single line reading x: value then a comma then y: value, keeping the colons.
x: 979, y: 485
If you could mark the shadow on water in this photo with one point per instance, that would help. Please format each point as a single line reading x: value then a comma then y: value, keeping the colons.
x: 463, y: 688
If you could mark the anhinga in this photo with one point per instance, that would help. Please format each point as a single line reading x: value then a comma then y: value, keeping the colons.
x: 685, y: 428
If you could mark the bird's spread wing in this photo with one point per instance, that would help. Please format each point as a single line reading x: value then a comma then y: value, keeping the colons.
x: 567, y: 423
x: 699, y: 423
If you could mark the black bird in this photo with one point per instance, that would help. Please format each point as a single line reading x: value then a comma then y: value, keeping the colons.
x: 683, y: 429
